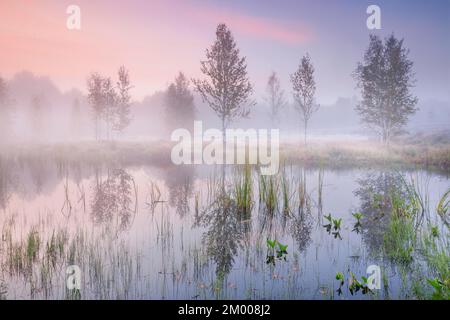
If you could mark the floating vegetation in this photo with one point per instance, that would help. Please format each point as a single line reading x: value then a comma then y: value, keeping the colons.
x: 276, y: 250
x: 357, y: 227
x: 340, y: 278
x: 354, y: 285
x: 333, y: 226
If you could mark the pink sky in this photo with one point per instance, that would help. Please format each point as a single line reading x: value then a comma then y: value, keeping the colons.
x: 154, y: 39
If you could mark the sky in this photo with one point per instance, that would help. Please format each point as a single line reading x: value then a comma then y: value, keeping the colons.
x: 155, y: 39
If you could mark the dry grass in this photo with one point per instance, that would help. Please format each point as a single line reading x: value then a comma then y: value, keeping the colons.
x: 365, y: 153
x: 332, y: 154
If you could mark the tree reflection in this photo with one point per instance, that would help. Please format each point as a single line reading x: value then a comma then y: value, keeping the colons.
x: 179, y: 181
x: 300, y: 227
x: 375, y: 193
x: 5, y: 179
x: 225, y: 232
x: 301, y: 223
x: 113, y: 199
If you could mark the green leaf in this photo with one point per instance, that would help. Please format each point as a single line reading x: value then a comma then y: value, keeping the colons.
x: 271, y: 243
x: 282, y: 247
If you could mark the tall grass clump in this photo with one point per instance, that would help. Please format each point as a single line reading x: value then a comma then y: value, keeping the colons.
x: 320, y: 191
x: 443, y: 207
x: 286, y: 192
x: 32, y: 247
x: 268, y: 193
x: 398, y: 241
x: 400, y: 237
x: 243, y: 190
x: 435, y: 248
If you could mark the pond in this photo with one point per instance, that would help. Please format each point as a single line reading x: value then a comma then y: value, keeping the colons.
x: 179, y: 232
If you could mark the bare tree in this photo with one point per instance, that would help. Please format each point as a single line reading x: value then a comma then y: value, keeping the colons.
x: 304, y: 89
x: 226, y: 89
x: 123, y: 117
x: 275, y: 96
x: 385, y: 78
x: 179, y: 103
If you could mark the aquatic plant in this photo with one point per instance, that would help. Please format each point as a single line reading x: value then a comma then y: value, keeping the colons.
x: 435, y: 250
x: 333, y: 226
x: 340, y: 278
x: 275, y: 247
x: 443, y: 207
x: 354, y: 285
x: 286, y: 194
x: 357, y: 227
x: 441, y: 288
x: 399, y: 239
x: 243, y: 191
x: 268, y: 192
x: 32, y: 247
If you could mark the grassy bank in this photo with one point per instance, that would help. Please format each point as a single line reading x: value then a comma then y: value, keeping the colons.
x: 367, y: 154
x: 331, y: 154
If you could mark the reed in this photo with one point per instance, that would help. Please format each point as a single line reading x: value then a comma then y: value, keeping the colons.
x: 243, y: 190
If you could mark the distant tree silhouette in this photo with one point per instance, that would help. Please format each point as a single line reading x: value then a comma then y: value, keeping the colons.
x: 304, y: 89
x: 76, y: 117
x: 5, y: 109
x: 275, y: 96
x: 109, y: 105
x: 96, y: 99
x: 179, y: 103
x: 37, y: 125
x: 385, y: 78
x: 123, y: 117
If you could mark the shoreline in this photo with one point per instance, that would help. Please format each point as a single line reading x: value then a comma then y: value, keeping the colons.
x: 318, y: 154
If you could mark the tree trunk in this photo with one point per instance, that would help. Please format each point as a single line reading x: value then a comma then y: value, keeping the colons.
x: 224, y: 153
x: 306, y: 128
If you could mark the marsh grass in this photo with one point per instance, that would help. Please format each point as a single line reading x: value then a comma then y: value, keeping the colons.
x: 243, y: 190
x: 399, y: 239
x: 268, y: 193
x: 286, y: 193
x: 369, y: 154
x: 443, y: 208
x: 435, y: 249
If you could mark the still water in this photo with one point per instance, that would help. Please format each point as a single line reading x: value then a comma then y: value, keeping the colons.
x: 158, y: 232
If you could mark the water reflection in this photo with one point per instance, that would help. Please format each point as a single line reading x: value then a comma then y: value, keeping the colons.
x: 226, y: 250
x: 114, y: 198
x: 225, y: 232
x: 300, y: 227
x: 5, y: 181
x: 179, y: 180
x: 375, y: 191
